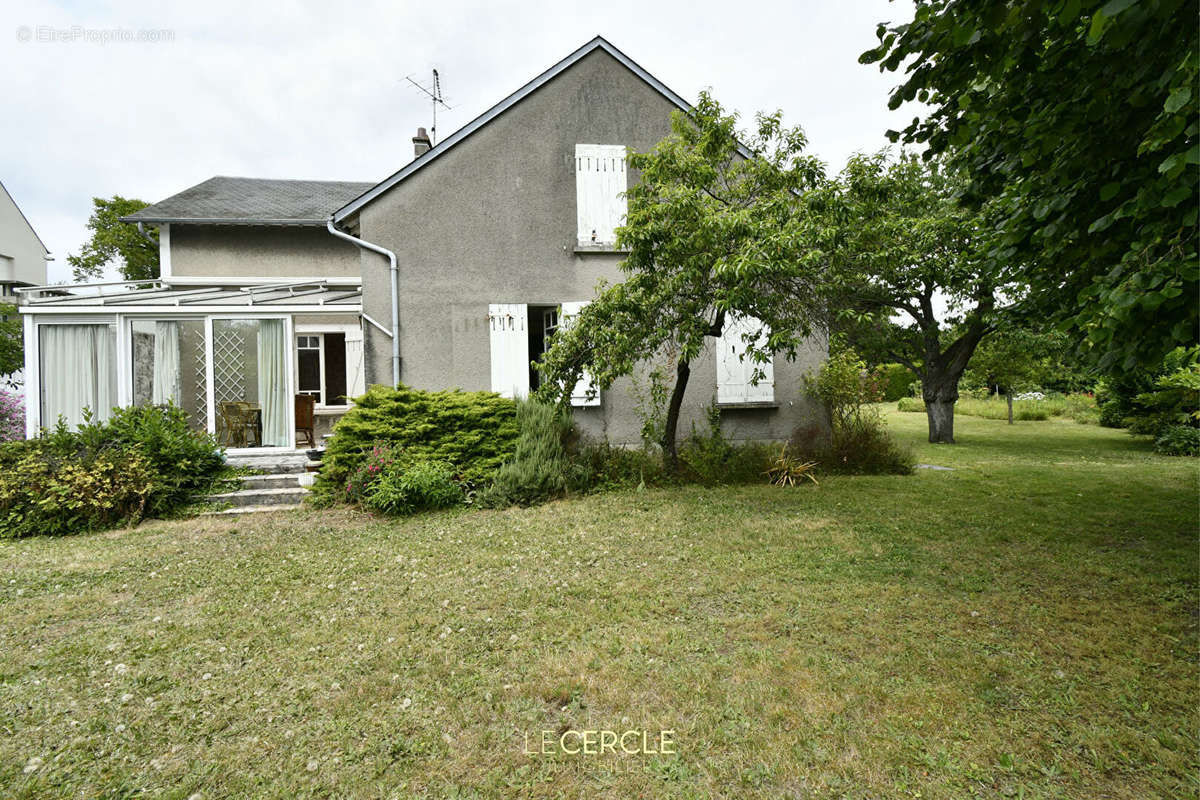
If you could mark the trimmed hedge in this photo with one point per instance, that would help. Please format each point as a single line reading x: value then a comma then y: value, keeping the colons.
x: 894, y: 381
x: 473, y: 432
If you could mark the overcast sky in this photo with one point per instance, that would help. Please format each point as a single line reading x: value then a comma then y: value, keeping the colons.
x: 317, y: 90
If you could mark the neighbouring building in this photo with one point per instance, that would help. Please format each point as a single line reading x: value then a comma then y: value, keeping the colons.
x: 453, y: 272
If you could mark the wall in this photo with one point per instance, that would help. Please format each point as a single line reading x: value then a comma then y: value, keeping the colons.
x: 493, y: 221
x: 22, y: 257
x: 291, y: 251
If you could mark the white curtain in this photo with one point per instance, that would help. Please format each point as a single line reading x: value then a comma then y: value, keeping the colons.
x: 166, y: 362
x: 273, y: 384
x: 79, y: 370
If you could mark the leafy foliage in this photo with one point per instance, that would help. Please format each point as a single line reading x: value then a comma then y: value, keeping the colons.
x: 12, y: 343
x: 1077, y: 121
x: 713, y: 228
x: 116, y: 243
x: 1178, y: 440
x: 902, y: 238
x: 144, y: 461
x: 860, y: 442
x: 788, y: 470
x: 474, y: 432
x: 538, y: 469
x: 894, y: 381
x: 406, y: 487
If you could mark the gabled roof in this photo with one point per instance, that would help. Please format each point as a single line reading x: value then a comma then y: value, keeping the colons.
x: 22, y: 213
x: 252, y: 201
x: 447, y: 144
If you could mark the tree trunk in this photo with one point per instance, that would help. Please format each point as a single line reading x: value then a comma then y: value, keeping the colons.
x: 1009, y: 396
x: 940, y: 393
x: 670, y: 452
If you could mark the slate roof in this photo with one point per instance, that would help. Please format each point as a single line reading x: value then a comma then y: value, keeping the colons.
x: 253, y: 201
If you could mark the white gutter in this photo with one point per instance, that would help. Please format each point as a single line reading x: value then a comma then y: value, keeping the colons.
x: 391, y: 257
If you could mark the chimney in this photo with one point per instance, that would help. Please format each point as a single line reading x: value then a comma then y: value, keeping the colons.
x: 421, y: 143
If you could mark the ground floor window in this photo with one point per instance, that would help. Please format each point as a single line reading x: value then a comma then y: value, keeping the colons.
x: 321, y: 367
x: 250, y: 382
x: 168, y: 366
x: 78, y: 370
x: 520, y: 335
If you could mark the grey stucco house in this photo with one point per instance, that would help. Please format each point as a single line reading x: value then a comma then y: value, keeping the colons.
x: 453, y: 272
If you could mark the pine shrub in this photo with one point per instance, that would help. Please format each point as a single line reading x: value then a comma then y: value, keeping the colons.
x: 538, y: 469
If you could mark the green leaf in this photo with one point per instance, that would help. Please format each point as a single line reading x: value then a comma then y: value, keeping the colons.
x: 1177, y: 196
x: 1114, y: 7
x: 1109, y: 191
x: 1177, y: 99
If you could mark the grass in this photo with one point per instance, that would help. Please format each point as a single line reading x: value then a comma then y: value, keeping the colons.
x: 1079, y: 407
x: 1024, y: 625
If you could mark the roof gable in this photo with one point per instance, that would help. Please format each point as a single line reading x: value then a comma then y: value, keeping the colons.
x: 447, y: 144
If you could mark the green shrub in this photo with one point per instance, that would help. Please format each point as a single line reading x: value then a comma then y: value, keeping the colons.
x: 599, y: 466
x: 1178, y: 440
x: 538, y: 469
x: 474, y: 432
x: 860, y: 443
x: 894, y: 381
x: 712, y: 460
x: 1173, y: 401
x: 911, y: 405
x: 143, y: 461
x: 381, y: 457
x: 406, y: 487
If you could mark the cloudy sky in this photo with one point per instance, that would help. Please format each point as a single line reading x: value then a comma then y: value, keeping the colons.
x: 317, y: 90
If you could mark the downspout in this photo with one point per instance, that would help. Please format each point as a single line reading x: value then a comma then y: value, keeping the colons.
x: 391, y: 257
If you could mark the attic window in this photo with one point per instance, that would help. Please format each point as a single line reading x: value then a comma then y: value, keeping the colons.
x: 600, y: 183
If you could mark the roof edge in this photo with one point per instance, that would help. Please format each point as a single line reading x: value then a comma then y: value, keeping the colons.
x: 596, y: 43
x: 224, y: 221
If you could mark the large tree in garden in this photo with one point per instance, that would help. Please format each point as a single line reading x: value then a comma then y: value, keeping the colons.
x: 905, y: 260
x: 714, y: 228
x: 1076, y: 121
x: 115, y: 243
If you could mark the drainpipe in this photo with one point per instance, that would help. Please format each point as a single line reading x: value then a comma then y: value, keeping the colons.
x: 391, y: 257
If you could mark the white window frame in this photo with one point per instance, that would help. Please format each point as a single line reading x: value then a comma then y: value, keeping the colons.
x: 124, y: 354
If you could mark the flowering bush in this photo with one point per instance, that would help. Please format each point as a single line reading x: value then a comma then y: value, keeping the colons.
x: 378, y: 460
x: 12, y: 416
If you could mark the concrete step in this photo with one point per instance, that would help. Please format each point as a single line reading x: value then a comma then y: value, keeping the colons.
x: 261, y: 497
x: 280, y: 480
x: 253, y: 510
x: 273, y: 464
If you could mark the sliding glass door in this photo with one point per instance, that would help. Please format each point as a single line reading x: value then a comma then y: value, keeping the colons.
x: 168, y: 366
x: 251, y: 382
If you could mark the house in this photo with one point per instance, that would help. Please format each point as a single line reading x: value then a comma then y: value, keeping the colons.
x: 454, y: 271
x: 23, y: 259
x: 23, y: 256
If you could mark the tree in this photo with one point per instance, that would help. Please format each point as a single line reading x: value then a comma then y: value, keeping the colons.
x: 1077, y: 122
x: 12, y: 351
x: 1013, y: 358
x: 713, y: 229
x: 902, y: 241
x: 116, y: 243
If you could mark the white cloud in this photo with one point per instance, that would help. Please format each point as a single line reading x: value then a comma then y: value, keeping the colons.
x: 317, y: 89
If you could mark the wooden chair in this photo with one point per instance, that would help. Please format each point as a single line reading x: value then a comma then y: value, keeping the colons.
x: 306, y: 416
x: 232, y: 430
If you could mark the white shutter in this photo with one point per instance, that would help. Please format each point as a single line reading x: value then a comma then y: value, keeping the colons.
x: 509, y: 324
x: 355, y: 376
x: 600, y: 183
x: 585, y: 385
x: 735, y: 370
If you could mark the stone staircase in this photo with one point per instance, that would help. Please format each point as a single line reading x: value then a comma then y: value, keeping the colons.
x: 281, y: 485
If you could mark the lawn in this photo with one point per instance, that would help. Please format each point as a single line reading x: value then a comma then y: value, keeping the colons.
x: 1024, y: 624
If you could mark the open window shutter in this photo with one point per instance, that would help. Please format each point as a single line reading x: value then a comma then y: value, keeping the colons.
x: 735, y: 370
x: 600, y: 184
x: 509, y: 326
x: 356, y: 382
x: 585, y: 386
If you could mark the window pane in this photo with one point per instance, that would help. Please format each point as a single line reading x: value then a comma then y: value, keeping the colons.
x: 250, y: 383
x: 168, y: 366
x: 309, y: 363
x: 78, y: 371
x: 335, y: 369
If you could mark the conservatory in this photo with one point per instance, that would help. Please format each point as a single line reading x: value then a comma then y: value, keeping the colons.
x: 249, y: 364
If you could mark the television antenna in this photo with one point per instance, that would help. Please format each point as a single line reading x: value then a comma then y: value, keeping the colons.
x: 434, y: 91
